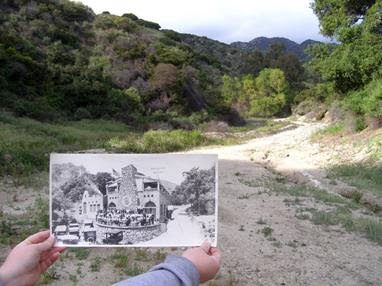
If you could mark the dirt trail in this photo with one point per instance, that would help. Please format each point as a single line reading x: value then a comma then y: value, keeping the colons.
x: 296, y: 252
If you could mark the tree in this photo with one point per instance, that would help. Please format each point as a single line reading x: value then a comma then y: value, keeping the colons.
x: 338, y: 17
x: 292, y: 68
x: 253, y: 63
x: 270, y: 94
x: 199, y: 187
x: 231, y: 89
x: 275, y: 51
x: 165, y: 76
x: 356, y: 61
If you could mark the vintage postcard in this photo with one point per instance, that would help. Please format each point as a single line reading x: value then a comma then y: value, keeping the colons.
x: 157, y: 200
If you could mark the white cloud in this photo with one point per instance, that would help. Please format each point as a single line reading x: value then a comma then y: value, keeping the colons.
x: 224, y: 20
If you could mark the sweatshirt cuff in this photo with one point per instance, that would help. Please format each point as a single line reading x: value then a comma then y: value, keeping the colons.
x: 183, y: 268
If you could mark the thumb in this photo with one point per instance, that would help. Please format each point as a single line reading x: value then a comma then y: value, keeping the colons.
x: 46, y: 244
x: 206, y: 246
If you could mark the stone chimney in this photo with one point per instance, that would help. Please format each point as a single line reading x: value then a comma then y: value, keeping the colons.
x: 128, y: 189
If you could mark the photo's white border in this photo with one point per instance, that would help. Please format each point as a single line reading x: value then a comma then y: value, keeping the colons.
x: 214, y: 243
x: 50, y: 195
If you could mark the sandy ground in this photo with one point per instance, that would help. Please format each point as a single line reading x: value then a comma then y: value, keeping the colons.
x: 297, y: 252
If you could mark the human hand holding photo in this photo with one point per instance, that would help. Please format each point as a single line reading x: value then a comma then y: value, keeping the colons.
x: 29, y: 259
x: 207, y: 260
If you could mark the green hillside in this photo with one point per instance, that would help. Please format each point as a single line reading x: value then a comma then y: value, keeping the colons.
x: 58, y: 60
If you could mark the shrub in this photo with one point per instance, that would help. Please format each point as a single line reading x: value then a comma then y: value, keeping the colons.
x: 104, y: 21
x: 148, y: 24
x: 129, y: 47
x: 368, y: 100
x: 82, y: 113
x: 175, y: 36
x: 130, y: 16
x: 267, y: 106
x: 323, y: 92
x: 172, y: 55
x: 126, y: 24
x: 159, y: 141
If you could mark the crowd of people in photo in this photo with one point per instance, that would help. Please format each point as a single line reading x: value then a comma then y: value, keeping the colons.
x: 125, y: 218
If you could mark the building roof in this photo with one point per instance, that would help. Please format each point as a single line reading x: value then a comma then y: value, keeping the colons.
x: 88, y: 228
x: 60, y: 228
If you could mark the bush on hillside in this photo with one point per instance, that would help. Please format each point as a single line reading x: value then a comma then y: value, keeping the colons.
x: 368, y: 102
x: 149, y: 24
x: 270, y: 95
x: 171, y: 55
x: 130, y: 16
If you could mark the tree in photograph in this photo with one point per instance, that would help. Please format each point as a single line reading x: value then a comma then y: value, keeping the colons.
x: 61, y: 206
x: 199, y: 188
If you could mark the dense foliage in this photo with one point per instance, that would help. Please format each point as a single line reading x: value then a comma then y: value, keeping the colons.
x: 354, y: 66
x: 262, y: 96
x: 59, y: 61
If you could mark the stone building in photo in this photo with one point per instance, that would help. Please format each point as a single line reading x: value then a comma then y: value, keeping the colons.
x: 135, y: 192
x: 91, y: 203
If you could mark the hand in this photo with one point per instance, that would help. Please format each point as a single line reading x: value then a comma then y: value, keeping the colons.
x: 207, y: 260
x: 29, y: 259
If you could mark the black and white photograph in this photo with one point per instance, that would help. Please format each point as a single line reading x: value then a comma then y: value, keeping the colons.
x: 156, y: 200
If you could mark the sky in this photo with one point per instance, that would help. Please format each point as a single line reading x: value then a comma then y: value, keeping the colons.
x: 168, y: 167
x: 223, y: 20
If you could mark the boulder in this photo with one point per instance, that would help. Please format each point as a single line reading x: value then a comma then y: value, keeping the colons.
x: 373, y: 122
x: 216, y: 126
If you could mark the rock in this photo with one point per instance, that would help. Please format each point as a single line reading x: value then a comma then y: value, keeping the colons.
x: 346, y: 191
x: 335, y: 113
x: 159, y: 126
x: 304, y: 107
x: 216, y: 126
x: 215, y: 135
x: 371, y: 201
x: 317, y: 114
x: 350, y: 122
x: 233, y: 117
x: 373, y: 122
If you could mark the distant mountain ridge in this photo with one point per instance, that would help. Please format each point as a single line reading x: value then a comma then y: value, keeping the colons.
x: 263, y: 44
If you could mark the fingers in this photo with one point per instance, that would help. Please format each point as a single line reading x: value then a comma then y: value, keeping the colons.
x: 49, y: 261
x: 206, y: 246
x: 46, y: 245
x: 37, y: 237
x: 48, y: 253
x: 216, y: 254
x: 60, y: 249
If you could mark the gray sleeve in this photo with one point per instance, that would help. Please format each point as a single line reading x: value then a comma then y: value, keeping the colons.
x: 174, y: 271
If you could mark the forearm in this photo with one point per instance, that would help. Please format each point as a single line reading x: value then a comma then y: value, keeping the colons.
x: 3, y: 277
x: 174, y: 271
